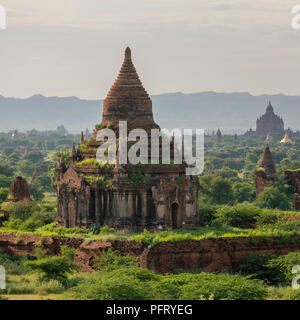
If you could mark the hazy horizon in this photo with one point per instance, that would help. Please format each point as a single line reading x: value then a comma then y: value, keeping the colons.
x: 74, y: 48
x: 153, y: 95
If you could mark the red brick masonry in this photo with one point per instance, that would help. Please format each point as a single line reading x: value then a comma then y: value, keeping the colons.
x: 208, y: 254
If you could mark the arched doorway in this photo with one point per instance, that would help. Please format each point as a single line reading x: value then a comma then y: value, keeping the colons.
x: 175, y: 216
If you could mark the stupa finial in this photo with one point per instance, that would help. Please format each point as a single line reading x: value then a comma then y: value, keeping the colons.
x: 128, y: 53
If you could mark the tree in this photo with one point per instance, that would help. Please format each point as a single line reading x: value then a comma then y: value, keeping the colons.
x: 226, y: 172
x: 217, y: 189
x: 272, y: 198
x: 55, y: 267
x: 51, y: 268
x: 3, y: 194
x: 6, y: 169
x: 35, y: 156
x: 222, y: 191
x: 20, y: 210
x: 26, y: 168
x: 5, y: 181
x: 240, y: 216
x: 45, y: 182
x: 36, y: 190
x: 243, y: 191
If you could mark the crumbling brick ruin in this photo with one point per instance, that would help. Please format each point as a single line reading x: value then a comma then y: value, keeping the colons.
x: 124, y: 196
x: 293, y: 178
x: 265, y: 174
x: 19, y: 190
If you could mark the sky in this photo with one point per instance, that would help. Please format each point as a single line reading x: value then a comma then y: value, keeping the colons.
x: 76, y: 47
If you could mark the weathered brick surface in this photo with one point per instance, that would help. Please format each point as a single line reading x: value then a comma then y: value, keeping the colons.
x: 209, y: 254
x: 266, y: 172
x: 19, y: 190
x: 293, y: 178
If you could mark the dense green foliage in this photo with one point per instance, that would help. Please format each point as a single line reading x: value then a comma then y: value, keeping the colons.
x: 119, y: 281
x: 54, y: 267
x: 241, y: 215
x: 227, y: 208
x: 274, y: 270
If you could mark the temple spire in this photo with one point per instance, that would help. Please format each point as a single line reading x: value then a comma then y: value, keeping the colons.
x: 82, y: 137
x: 128, y: 54
x: 62, y: 162
x: 267, y: 162
x: 127, y: 99
x: 73, y: 151
x: 270, y: 107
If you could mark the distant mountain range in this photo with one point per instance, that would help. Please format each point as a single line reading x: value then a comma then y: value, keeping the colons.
x: 232, y: 112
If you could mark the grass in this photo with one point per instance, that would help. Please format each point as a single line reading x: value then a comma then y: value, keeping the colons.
x: 282, y: 213
x: 27, y: 287
x: 151, y: 238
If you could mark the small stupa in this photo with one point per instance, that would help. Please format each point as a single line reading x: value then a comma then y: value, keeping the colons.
x: 286, y: 139
x: 19, y: 190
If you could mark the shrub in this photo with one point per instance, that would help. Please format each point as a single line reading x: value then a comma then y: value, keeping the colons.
x: 13, y: 264
x: 240, y: 216
x: 20, y: 210
x: 122, y: 284
x: 68, y: 253
x: 112, y: 260
x: 267, y: 218
x: 3, y: 194
x: 20, y: 288
x: 95, y: 228
x: 187, y: 286
x: 107, y: 229
x: 283, y: 266
x: 256, y: 266
x: 51, y: 268
x: 274, y: 270
x: 52, y: 286
x: 288, y: 226
x: 30, y: 225
x: 223, y: 286
x: 206, y: 211
x: 13, y: 224
x: 283, y: 293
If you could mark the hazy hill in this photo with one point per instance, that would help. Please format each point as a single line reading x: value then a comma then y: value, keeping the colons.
x: 232, y: 112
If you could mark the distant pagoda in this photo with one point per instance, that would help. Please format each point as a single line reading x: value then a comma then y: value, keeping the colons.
x: 286, y: 139
x: 269, y: 123
x: 219, y: 136
x: 124, y: 196
x: 265, y: 174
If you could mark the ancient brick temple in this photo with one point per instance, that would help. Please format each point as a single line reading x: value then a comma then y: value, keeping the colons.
x: 19, y: 190
x: 265, y: 174
x: 293, y: 178
x: 124, y: 196
x: 269, y: 123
